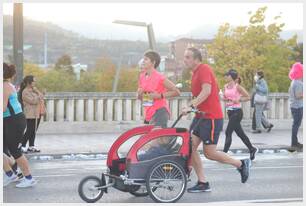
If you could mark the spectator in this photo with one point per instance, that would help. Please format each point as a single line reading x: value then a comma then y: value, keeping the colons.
x: 260, y: 101
x: 296, y: 101
x: 32, y: 101
x: 254, y: 118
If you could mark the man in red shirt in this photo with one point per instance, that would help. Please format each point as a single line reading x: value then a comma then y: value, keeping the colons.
x: 207, y: 128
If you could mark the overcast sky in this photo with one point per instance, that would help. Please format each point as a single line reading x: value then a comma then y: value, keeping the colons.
x: 167, y: 18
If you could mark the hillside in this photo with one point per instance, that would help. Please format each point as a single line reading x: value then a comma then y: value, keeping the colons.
x: 60, y: 41
x: 86, y: 50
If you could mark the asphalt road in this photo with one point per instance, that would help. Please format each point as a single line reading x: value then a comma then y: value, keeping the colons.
x: 274, y: 178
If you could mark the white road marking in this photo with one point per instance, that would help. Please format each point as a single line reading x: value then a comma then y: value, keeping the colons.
x: 54, y: 175
x: 252, y: 168
x: 260, y: 201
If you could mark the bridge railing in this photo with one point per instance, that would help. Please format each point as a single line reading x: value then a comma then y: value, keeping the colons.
x: 91, y: 106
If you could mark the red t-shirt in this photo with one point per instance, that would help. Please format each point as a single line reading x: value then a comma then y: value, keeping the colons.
x: 211, y: 106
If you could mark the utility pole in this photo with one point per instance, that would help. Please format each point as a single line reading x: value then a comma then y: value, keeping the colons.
x: 46, y: 51
x: 18, y: 40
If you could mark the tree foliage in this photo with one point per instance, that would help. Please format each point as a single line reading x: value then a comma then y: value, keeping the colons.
x: 247, y: 49
x: 128, y: 81
x: 55, y: 81
x: 33, y: 69
x: 98, y: 79
x: 254, y: 47
x: 64, y: 64
x: 299, y: 53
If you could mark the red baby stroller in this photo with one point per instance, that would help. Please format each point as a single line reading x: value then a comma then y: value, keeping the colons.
x: 157, y: 164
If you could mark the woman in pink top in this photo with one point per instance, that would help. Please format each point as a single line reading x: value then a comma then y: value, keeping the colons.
x: 234, y: 94
x: 153, y: 89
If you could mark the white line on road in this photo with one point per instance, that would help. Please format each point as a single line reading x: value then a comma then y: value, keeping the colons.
x: 59, y: 175
x: 252, y: 168
x: 281, y: 167
x: 221, y: 169
x: 260, y: 201
x: 97, y: 168
x: 76, y: 169
x: 73, y: 169
x: 82, y: 169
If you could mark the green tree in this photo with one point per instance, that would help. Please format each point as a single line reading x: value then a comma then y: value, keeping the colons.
x: 186, y: 80
x: 64, y: 64
x: 55, y: 81
x: 105, y: 70
x: 128, y: 80
x: 104, y: 63
x: 35, y: 70
x: 251, y: 48
x: 89, y: 82
x: 299, y: 53
x: 105, y: 80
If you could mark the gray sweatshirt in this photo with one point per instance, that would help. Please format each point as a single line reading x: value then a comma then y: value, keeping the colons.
x: 261, y: 87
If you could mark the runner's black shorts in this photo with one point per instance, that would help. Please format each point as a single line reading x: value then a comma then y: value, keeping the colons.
x: 208, y: 130
x: 13, y: 131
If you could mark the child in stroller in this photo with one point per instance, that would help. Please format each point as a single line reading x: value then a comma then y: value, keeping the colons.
x: 159, y: 147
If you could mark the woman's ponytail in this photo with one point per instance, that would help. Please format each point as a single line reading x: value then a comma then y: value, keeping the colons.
x: 22, y: 87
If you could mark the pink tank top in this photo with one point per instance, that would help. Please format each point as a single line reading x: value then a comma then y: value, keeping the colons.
x: 232, y: 94
x: 152, y: 83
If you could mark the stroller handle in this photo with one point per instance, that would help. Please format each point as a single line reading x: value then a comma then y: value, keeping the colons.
x: 181, y: 115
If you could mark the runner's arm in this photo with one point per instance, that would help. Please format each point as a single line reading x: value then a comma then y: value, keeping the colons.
x: 172, y: 91
x: 6, y: 94
x: 245, y: 95
x: 205, y: 92
x: 139, y: 93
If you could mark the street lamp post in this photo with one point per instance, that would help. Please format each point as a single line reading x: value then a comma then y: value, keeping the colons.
x: 118, y: 69
x: 152, y: 44
x: 151, y: 36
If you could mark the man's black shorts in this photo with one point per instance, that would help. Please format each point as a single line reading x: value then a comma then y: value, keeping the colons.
x: 208, y: 130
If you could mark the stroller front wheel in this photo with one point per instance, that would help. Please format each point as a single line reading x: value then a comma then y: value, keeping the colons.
x: 88, y: 190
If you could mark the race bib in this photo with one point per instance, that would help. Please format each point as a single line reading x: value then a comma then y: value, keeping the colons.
x: 146, y: 100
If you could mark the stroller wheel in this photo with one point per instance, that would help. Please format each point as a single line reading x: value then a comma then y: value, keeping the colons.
x: 140, y: 192
x: 166, y: 182
x: 88, y: 190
